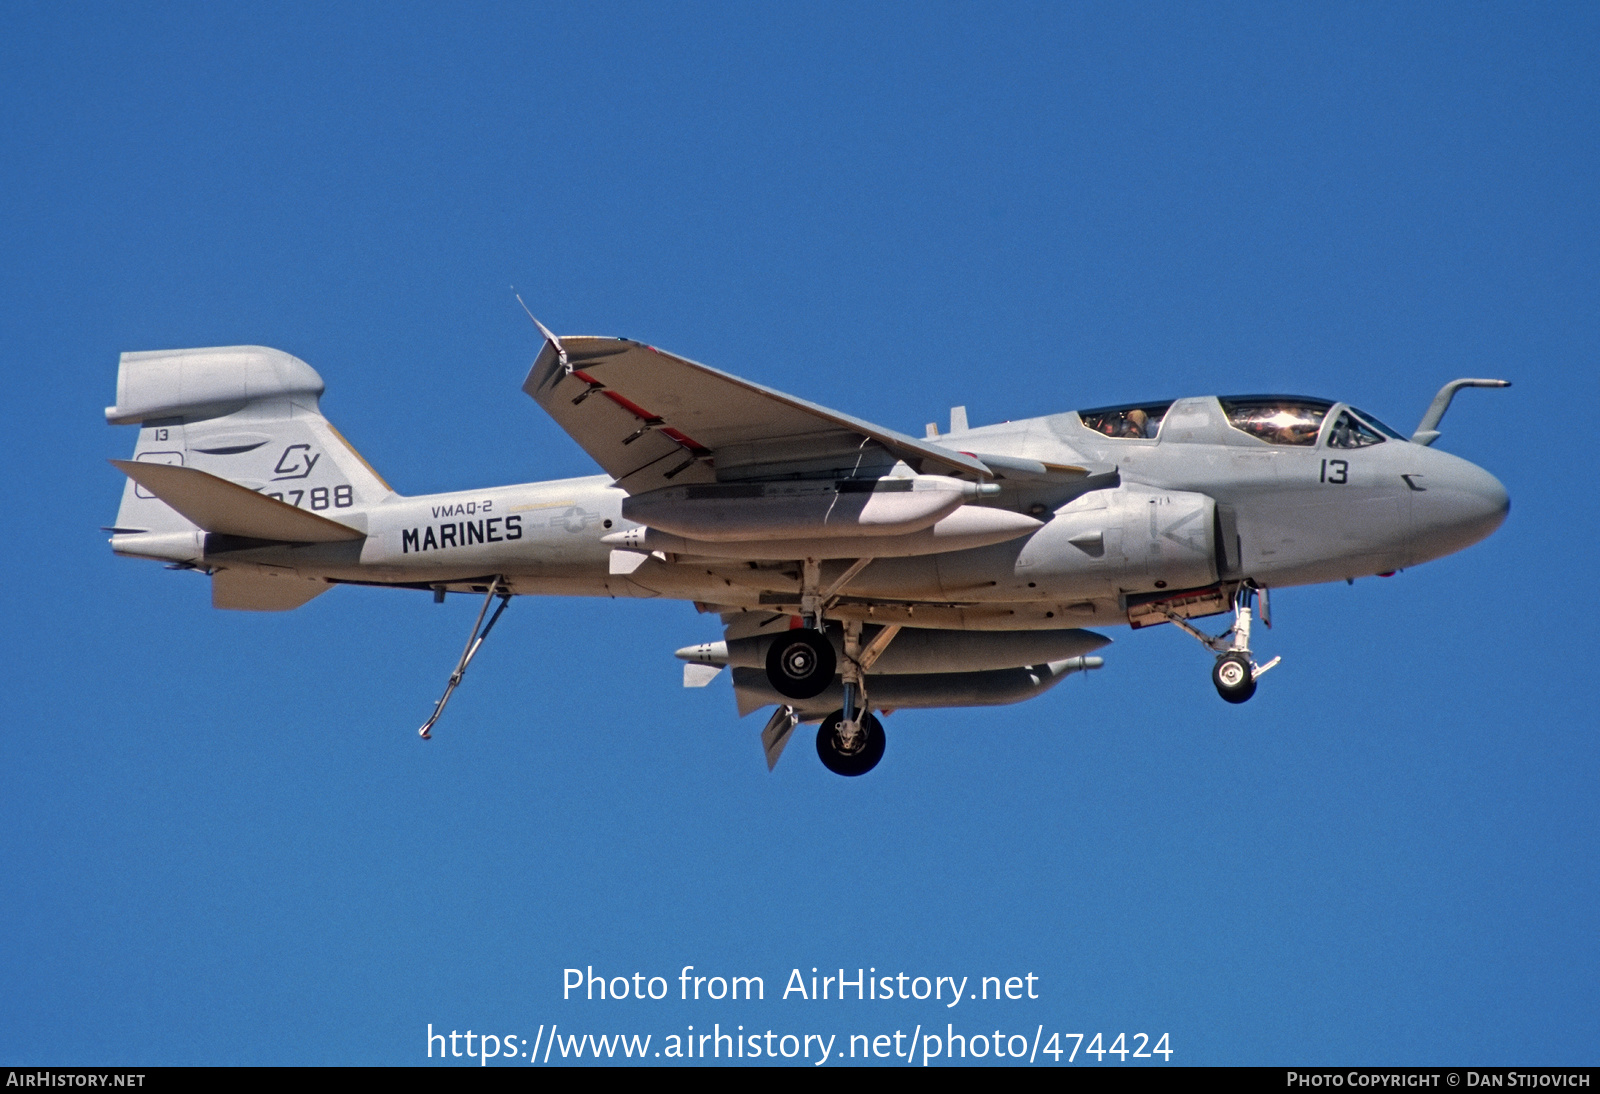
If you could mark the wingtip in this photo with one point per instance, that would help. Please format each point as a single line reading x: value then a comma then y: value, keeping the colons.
x: 544, y: 330
x: 549, y: 336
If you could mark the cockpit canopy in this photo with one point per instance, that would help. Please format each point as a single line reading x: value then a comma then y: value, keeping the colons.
x: 1357, y: 429
x: 1136, y: 421
x: 1276, y: 419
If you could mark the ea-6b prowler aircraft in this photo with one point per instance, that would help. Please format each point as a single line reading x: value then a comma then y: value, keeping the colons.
x: 855, y: 568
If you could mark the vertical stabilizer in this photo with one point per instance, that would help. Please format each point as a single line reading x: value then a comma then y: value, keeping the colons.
x: 247, y: 414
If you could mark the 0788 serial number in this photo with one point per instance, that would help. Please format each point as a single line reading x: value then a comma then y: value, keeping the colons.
x: 341, y: 497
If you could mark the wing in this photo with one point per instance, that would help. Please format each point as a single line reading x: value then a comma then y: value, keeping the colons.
x: 650, y: 418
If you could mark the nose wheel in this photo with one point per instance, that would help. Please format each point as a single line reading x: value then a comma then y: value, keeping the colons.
x: 1235, y: 677
x: 1235, y: 673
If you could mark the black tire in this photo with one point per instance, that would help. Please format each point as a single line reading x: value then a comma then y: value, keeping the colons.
x: 1234, y: 677
x: 868, y: 751
x: 801, y: 663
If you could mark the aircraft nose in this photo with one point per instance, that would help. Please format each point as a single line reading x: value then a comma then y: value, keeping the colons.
x: 1484, y: 503
x: 1461, y: 505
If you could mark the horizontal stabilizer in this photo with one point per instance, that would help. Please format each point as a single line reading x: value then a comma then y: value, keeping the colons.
x: 263, y: 590
x: 226, y: 508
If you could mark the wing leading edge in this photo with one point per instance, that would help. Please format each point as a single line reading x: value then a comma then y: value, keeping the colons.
x: 651, y: 419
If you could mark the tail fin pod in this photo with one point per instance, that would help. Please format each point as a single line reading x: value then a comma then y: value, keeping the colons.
x: 247, y: 414
x: 208, y: 383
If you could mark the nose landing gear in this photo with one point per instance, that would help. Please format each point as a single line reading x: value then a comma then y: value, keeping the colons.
x: 1235, y: 677
x: 1235, y: 673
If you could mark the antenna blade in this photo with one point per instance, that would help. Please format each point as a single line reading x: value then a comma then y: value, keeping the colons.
x: 544, y: 330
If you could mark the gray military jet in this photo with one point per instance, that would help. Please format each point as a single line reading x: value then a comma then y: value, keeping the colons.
x: 856, y: 569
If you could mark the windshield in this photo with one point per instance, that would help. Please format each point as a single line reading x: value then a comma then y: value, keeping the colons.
x: 1139, y: 421
x: 1349, y: 431
x: 1379, y: 426
x: 1277, y: 419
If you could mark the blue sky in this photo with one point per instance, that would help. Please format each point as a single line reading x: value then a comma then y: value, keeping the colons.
x: 222, y: 841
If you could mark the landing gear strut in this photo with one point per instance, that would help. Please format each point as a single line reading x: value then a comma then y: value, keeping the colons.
x: 801, y: 664
x: 1235, y: 673
x: 851, y: 739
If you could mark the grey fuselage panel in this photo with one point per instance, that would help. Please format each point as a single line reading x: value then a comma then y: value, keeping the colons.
x: 1197, y: 503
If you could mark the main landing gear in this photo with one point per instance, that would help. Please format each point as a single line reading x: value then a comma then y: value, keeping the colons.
x: 850, y: 740
x: 1235, y: 673
x: 851, y: 747
x: 801, y: 664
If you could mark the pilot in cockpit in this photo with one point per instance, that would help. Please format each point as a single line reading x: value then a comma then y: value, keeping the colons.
x: 1300, y: 432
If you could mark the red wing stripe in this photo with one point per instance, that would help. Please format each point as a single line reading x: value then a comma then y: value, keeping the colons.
x: 686, y: 441
x: 677, y: 436
x: 630, y: 406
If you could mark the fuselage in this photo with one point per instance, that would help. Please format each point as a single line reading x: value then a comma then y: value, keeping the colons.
x: 1171, y: 496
